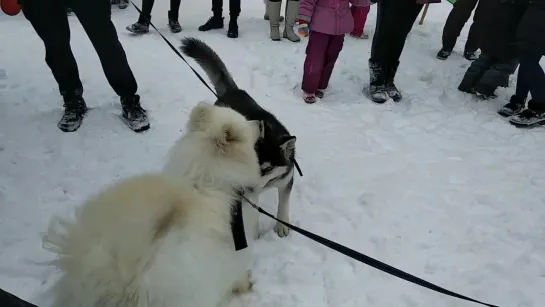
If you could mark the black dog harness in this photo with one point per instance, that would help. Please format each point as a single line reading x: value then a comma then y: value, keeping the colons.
x: 237, y: 225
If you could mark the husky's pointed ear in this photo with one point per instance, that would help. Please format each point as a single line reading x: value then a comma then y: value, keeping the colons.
x: 200, y: 116
x: 287, y: 145
x: 259, y: 128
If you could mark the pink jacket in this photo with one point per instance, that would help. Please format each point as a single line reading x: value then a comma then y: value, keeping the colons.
x: 329, y: 16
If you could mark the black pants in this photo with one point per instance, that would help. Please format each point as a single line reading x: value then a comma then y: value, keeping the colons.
x: 457, y: 18
x: 51, y: 23
x: 395, y: 19
x: 531, y: 78
x: 488, y: 73
x: 234, y: 8
x: 147, y: 6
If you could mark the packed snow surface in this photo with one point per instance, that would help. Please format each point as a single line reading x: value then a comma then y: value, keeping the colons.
x: 438, y: 185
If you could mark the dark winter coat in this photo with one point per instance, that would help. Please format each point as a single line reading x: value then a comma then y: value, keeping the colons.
x: 498, y: 28
x: 531, y: 29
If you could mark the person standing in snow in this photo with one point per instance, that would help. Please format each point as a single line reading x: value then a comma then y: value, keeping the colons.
x: 329, y: 22
x: 359, y: 14
x: 498, y: 58
x: 216, y: 21
x: 50, y: 22
x: 274, y: 7
x: 531, y: 77
x: 142, y: 25
x: 395, y: 19
x: 457, y: 18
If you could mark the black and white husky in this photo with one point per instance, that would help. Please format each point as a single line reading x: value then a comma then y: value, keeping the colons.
x: 275, y: 149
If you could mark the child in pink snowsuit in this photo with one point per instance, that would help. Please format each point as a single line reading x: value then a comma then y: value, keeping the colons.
x: 329, y: 21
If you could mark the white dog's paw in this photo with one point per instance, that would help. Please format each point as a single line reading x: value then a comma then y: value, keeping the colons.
x: 243, y: 286
x: 281, y: 229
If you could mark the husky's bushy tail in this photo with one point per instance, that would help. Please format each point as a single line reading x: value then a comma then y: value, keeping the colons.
x: 211, y: 63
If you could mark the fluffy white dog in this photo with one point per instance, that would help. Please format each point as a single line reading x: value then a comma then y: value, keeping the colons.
x: 156, y: 240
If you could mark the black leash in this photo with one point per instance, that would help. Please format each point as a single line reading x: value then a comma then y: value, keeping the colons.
x: 194, y: 71
x: 366, y: 259
x: 176, y: 51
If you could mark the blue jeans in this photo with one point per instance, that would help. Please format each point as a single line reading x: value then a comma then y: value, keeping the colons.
x: 531, y: 78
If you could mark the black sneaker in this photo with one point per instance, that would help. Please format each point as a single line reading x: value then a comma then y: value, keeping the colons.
x: 134, y: 115
x: 213, y: 23
x: 174, y: 26
x: 138, y: 28
x: 514, y: 107
x: 531, y: 117
x: 173, y: 22
x: 443, y: 54
x: 470, y: 55
x: 74, y: 112
x: 232, y: 32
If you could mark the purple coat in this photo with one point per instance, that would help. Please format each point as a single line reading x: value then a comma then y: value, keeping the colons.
x: 329, y: 16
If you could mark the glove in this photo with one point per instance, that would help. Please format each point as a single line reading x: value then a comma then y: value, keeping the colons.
x: 302, y: 28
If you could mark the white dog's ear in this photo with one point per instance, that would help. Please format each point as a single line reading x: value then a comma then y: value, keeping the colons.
x: 259, y: 128
x: 200, y: 116
x: 288, y: 146
x: 228, y: 135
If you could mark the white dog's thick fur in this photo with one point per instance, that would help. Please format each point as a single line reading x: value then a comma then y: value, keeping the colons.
x: 158, y: 241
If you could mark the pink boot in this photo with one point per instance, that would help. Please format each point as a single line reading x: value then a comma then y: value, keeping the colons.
x: 360, y: 17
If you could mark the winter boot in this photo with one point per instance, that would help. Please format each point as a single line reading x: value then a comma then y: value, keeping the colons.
x: 74, y: 111
x: 470, y: 55
x: 292, y: 8
x: 123, y: 4
x: 274, y: 9
x: 377, y: 82
x: 533, y: 116
x: 232, y: 31
x: 391, y: 89
x: 320, y: 93
x: 213, y: 23
x: 443, y: 54
x: 134, y: 115
x: 173, y: 22
x: 266, y: 15
x: 485, y: 91
x: 141, y: 26
x: 309, y: 98
x: 514, y: 107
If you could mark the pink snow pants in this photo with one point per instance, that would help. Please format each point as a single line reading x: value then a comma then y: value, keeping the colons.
x: 322, y: 53
x: 360, y: 17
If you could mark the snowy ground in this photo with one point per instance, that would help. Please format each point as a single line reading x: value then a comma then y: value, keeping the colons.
x: 438, y: 185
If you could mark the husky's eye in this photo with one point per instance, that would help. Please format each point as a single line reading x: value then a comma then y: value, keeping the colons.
x: 266, y: 169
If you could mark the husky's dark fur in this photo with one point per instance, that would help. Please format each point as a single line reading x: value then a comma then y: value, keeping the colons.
x: 276, y: 148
